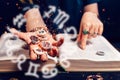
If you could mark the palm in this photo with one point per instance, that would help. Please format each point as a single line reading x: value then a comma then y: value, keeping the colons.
x: 40, y: 45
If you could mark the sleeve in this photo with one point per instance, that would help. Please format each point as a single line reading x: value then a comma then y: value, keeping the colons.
x: 26, y: 5
x: 86, y: 2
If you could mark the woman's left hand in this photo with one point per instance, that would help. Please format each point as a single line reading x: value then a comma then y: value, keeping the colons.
x: 40, y: 43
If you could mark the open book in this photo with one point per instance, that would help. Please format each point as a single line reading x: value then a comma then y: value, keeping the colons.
x: 10, y: 46
x: 68, y: 50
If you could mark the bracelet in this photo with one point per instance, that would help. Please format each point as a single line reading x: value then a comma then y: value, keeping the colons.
x: 39, y: 28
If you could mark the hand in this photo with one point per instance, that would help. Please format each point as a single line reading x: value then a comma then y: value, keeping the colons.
x: 90, y: 27
x: 40, y: 44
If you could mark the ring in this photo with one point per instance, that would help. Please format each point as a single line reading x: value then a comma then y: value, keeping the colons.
x: 38, y: 51
x: 85, y: 32
x: 46, y: 45
x: 34, y: 39
x: 91, y: 34
x: 95, y: 33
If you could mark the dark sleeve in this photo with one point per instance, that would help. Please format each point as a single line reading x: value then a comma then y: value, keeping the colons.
x: 86, y: 2
x: 26, y: 5
x: 42, y: 4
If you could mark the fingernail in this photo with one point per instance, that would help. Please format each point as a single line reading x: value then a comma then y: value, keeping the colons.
x: 82, y: 47
x: 60, y: 42
x: 55, y: 52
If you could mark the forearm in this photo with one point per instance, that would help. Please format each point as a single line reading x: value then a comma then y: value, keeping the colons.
x: 92, y: 8
x: 33, y: 19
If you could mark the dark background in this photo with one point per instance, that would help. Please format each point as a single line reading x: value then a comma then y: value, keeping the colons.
x: 110, y: 16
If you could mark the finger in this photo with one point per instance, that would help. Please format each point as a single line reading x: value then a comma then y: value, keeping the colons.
x: 95, y: 31
x: 100, y: 30
x: 54, y: 36
x: 34, y: 39
x: 33, y: 55
x: 45, y: 45
x: 20, y: 34
x: 53, y: 52
x: 84, y: 37
x: 44, y: 57
x: 59, y: 42
x: 91, y: 32
x: 80, y: 34
x: 14, y: 31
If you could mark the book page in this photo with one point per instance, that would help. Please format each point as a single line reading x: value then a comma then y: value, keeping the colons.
x: 70, y: 50
x: 10, y: 47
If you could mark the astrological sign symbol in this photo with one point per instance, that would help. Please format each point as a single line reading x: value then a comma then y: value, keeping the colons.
x: 61, y: 18
x: 19, y: 20
x: 20, y: 60
x: 32, y: 71
x: 49, y: 73
x: 47, y: 14
x: 72, y: 28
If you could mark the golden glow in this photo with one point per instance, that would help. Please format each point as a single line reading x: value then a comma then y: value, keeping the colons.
x: 30, y: 1
x: 23, y: 1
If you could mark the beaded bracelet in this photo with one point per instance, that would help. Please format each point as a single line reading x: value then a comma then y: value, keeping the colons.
x: 39, y: 28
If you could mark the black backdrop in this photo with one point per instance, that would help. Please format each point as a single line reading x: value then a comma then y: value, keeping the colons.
x: 110, y: 15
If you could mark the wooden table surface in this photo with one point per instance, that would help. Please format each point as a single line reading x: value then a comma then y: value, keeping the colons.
x: 76, y: 65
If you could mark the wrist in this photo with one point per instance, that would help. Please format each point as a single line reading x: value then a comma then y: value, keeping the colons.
x: 92, y: 13
x: 33, y: 19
